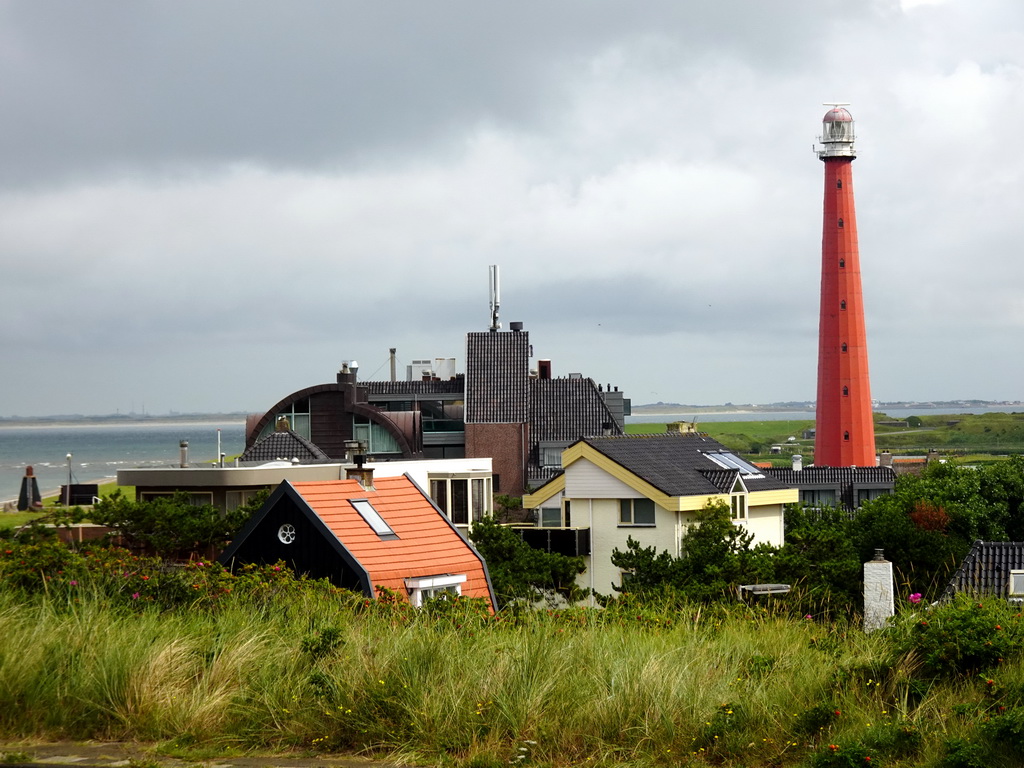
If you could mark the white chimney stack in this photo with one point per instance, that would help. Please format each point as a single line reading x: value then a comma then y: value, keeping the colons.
x: 879, y: 598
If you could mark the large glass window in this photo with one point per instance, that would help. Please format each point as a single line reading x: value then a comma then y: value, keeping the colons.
x: 373, y: 436
x: 462, y: 499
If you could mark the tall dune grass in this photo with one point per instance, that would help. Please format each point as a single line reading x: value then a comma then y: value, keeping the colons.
x: 731, y: 686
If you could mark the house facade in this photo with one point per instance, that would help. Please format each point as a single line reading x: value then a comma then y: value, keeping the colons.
x: 648, y: 488
x: 461, y: 488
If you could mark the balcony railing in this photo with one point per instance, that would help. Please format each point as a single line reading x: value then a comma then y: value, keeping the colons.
x: 574, y: 542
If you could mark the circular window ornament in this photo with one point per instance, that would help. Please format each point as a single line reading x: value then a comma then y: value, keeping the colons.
x: 286, y: 533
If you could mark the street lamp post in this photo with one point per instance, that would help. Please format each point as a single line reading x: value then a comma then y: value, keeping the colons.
x: 67, y: 488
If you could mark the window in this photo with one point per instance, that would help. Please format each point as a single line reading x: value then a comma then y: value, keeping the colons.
x: 462, y: 499
x: 818, y: 497
x: 739, y: 506
x: 842, y: 305
x: 373, y: 436
x: 738, y: 501
x: 554, y: 517
x: 636, y: 512
x: 839, y: 183
x: 840, y: 223
x: 846, y: 391
x: 298, y: 419
x: 550, y: 457
x: 844, y: 346
x: 427, y: 587
x: 842, y: 263
x: 550, y: 517
x: 846, y: 436
x: 373, y: 518
x: 235, y: 499
x: 1016, y: 583
x: 286, y: 533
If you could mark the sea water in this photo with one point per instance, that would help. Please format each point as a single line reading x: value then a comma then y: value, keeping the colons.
x: 99, y: 450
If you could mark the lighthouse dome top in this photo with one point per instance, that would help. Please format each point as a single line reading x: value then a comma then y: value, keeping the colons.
x: 838, y: 115
x: 837, y: 135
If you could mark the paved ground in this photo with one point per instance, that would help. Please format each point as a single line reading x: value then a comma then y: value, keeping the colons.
x: 96, y: 754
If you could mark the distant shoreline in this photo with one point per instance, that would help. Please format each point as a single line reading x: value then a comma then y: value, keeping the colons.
x: 89, y: 422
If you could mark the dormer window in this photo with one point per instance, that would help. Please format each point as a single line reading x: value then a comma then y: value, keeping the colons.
x: 428, y: 587
x: 738, y: 501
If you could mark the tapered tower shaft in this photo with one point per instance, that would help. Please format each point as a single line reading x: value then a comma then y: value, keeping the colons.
x: 845, y: 434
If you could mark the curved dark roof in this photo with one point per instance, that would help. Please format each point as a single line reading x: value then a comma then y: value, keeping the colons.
x: 286, y: 445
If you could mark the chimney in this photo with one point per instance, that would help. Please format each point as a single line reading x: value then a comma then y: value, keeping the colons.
x: 182, y: 446
x: 885, y: 459
x: 606, y: 429
x: 544, y: 369
x: 352, y: 448
x: 680, y: 428
x: 933, y: 455
x: 798, y: 462
x: 360, y: 473
x: 879, y: 601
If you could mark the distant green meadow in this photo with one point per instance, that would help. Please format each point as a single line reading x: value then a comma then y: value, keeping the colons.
x: 966, y: 436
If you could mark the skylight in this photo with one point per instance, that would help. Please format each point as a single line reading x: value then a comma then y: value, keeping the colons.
x: 727, y: 460
x: 372, y: 518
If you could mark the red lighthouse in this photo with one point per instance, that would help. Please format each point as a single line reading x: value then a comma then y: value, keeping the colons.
x: 845, y: 434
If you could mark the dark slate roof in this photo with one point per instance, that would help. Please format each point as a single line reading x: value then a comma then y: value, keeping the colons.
x: 415, y: 388
x: 859, y: 476
x: 567, y: 409
x: 285, y: 445
x: 497, y: 377
x: 986, y: 568
x: 723, y: 479
x: 675, y: 464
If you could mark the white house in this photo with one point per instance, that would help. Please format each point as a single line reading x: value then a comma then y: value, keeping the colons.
x: 648, y: 487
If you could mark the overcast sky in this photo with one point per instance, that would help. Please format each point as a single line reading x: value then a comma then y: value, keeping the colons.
x: 208, y: 204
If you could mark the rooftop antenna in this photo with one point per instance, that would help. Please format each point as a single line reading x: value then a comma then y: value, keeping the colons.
x: 495, y: 289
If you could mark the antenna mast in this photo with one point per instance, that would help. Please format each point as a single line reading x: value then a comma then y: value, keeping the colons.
x: 495, y: 288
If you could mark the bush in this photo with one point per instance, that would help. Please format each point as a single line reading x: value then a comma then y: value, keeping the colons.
x: 961, y: 637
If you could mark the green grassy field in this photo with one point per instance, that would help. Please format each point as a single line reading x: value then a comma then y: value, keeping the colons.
x: 974, y: 437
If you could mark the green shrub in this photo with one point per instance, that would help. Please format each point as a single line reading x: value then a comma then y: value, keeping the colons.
x: 842, y: 756
x: 961, y: 637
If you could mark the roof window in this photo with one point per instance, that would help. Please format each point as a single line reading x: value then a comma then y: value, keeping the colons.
x: 373, y: 518
x: 727, y: 460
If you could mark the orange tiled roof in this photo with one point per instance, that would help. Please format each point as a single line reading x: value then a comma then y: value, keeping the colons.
x: 427, y: 544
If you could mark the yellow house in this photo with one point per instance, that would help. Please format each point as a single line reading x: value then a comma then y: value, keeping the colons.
x: 649, y: 487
